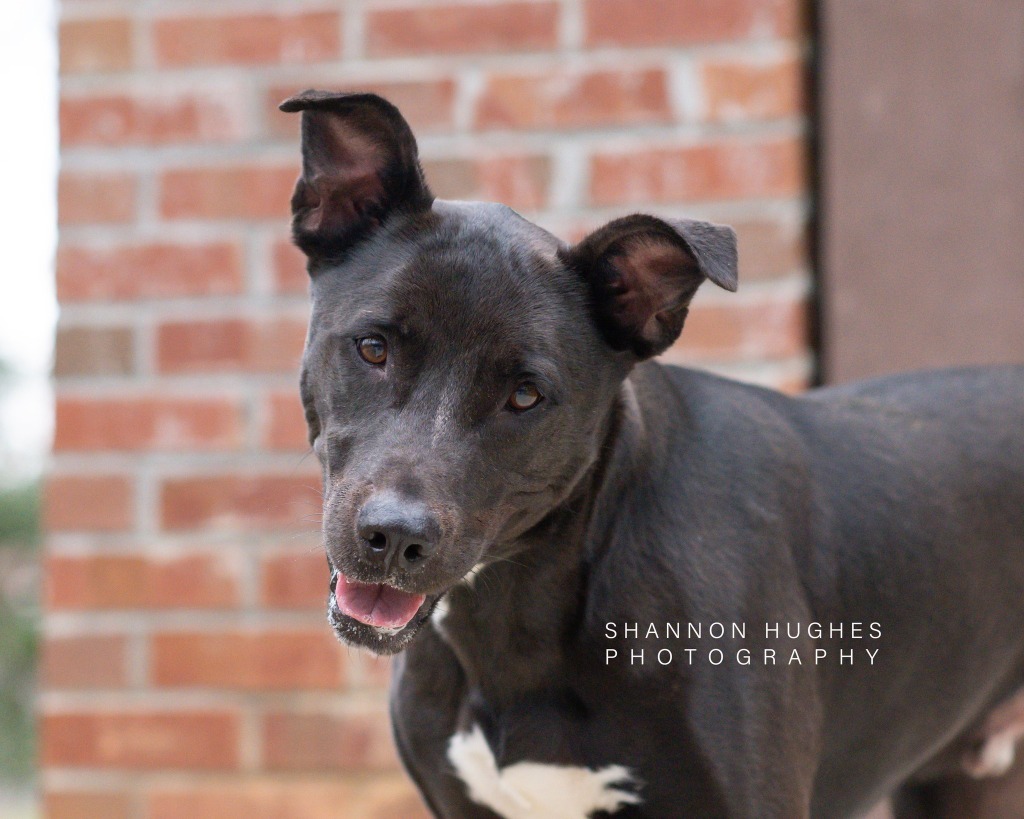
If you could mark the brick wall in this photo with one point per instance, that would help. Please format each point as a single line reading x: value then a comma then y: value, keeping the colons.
x: 187, y: 667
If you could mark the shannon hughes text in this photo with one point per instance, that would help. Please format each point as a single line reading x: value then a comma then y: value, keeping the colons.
x: 778, y: 630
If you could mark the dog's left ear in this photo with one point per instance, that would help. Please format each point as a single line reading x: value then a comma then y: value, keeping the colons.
x: 644, y: 271
x: 359, y: 165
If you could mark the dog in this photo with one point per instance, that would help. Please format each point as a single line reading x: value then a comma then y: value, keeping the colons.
x: 624, y: 589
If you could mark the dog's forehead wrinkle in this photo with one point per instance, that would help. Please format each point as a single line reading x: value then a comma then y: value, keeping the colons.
x: 495, y: 217
x: 492, y: 243
x: 457, y: 382
x: 487, y: 325
x: 473, y: 273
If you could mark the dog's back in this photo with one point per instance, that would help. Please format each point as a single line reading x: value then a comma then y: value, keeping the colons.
x: 919, y: 515
x: 902, y: 503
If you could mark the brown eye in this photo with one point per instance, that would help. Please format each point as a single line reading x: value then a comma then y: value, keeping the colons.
x: 372, y: 349
x: 526, y: 396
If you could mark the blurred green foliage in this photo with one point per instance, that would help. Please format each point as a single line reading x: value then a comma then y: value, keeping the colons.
x: 18, y: 648
x: 19, y: 516
x: 19, y: 615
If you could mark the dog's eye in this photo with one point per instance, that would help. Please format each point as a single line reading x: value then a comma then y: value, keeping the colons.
x: 372, y: 349
x: 525, y: 397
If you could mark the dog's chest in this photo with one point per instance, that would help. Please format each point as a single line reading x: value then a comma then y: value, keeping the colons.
x: 530, y: 789
x: 536, y: 772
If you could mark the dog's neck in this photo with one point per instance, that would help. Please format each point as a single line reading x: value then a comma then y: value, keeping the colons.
x: 510, y: 623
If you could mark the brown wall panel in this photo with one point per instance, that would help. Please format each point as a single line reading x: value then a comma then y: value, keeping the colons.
x: 922, y: 184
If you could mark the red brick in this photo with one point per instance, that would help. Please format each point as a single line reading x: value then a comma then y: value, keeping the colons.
x: 289, y: 268
x: 254, y: 800
x: 262, y: 661
x: 287, y: 422
x: 84, y: 661
x: 185, y: 740
x: 147, y: 119
x: 772, y: 328
x: 328, y: 742
x: 741, y: 90
x: 86, y: 805
x: 237, y: 192
x: 369, y: 673
x: 380, y: 797
x: 264, y: 800
x: 247, y: 39
x: 295, y: 580
x: 395, y: 800
x: 240, y: 502
x: 722, y: 170
x: 574, y: 100
x: 251, y: 801
x: 374, y: 672
x: 427, y: 105
x: 230, y: 345
x: 520, y: 182
x: 96, y: 198
x: 793, y: 385
x: 169, y: 424
x: 462, y: 28
x: 684, y: 22
x: 93, y: 351
x: 98, y: 581
x: 769, y: 249
x: 157, y: 270
x: 95, y: 45
x: 88, y: 503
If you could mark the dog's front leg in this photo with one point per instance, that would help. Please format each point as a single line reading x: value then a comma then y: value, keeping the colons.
x: 427, y: 693
x: 759, y: 733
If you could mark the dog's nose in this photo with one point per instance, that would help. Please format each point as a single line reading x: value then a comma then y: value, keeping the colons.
x: 397, y: 531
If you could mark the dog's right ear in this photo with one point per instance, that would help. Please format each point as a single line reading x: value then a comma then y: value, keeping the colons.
x: 643, y: 272
x: 359, y: 165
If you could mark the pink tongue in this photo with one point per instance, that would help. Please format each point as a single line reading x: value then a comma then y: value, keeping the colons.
x: 376, y: 604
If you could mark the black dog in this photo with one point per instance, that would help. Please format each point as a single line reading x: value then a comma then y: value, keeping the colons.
x: 624, y: 588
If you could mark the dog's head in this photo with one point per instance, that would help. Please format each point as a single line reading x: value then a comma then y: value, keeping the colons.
x: 462, y: 363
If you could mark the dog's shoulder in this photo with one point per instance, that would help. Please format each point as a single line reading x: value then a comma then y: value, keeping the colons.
x: 695, y: 416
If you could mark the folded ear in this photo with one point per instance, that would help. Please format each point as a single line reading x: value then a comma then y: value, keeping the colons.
x: 359, y: 164
x: 643, y: 273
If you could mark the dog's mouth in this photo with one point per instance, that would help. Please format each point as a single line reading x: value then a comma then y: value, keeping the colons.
x: 376, y: 616
x: 376, y: 604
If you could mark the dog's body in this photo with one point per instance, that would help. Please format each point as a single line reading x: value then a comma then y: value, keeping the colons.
x: 891, y: 502
x: 512, y: 484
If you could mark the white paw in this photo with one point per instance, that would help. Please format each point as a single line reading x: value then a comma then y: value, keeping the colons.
x: 527, y: 790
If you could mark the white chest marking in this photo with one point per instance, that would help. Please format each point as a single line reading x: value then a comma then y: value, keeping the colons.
x: 442, y: 608
x: 470, y: 577
x: 527, y: 790
x: 1002, y: 730
x: 439, y: 613
x: 994, y: 758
